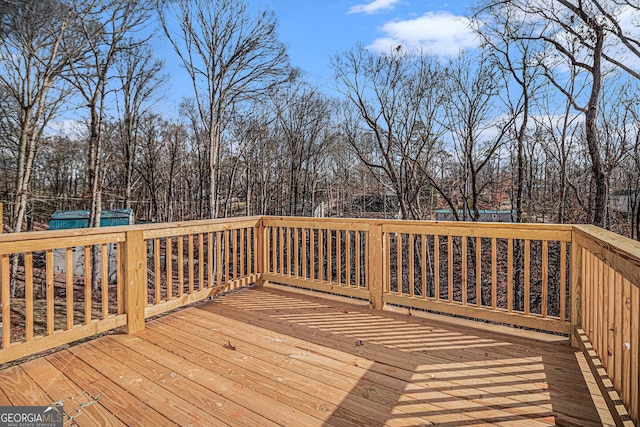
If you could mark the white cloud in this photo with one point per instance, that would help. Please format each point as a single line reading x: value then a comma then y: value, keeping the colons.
x: 373, y: 7
x: 630, y: 23
x: 440, y: 33
x: 71, y: 128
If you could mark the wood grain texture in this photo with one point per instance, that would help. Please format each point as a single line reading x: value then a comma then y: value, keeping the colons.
x: 87, y: 285
x: 597, y: 289
x: 134, y: 273
x: 180, y: 248
x: 484, y: 314
x: 201, y: 258
x: 69, y: 286
x: 375, y: 271
x: 5, y: 302
x: 618, y: 252
x: 304, y: 360
x: 28, y: 273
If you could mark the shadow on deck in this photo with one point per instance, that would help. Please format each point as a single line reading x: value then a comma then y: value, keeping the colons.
x: 269, y: 357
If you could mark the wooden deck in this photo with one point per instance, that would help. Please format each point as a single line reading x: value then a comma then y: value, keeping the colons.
x: 261, y: 357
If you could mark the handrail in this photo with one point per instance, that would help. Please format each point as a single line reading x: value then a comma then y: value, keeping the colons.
x: 609, y: 317
x: 79, y: 302
x: 200, y: 260
x: 575, y: 279
x: 470, y: 266
x: 619, y: 252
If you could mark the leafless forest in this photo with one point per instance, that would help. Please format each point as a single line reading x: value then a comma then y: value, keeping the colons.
x: 542, y: 119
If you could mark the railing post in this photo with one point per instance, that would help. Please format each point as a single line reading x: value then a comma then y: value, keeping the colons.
x: 260, y: 251
x: 135, y: 287
x: 375, y: 275
x: 575, y: 292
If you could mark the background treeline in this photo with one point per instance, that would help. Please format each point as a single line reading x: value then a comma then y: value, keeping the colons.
x: 542, y: 118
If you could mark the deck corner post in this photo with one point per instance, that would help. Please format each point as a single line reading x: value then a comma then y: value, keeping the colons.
x: 575, y: 292
x: 260, y: 251
x: 135, y: 289
x: 375, y: 275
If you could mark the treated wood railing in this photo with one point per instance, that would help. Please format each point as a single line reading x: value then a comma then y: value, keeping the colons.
x: 54, y: 301
x: 578, y: 280
x: 511, y: 273
x: 197, y: 261
x: 141, y: 271
x: 330, y: 256
x: 607, y: 326
x: 413, y: 271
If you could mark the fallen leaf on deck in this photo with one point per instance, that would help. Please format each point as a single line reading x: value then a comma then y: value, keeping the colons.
x: 229, y: 346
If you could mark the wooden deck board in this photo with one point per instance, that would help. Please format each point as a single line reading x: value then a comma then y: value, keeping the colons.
x: 321, y: 383
x: 272, y: 379
x: 338, y: 368
x: 114, y: 398
x: 463, y: 358
x: 19, y: 388
x: 84, y: 408
x: 304, y: 360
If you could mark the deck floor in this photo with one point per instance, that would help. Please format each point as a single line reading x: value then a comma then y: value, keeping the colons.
x: 262, y: 357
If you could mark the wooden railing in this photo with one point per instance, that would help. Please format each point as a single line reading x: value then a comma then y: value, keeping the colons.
x: 53, y: 300
x: 197, y: 261
x: 330, y: 256
x: 578, y: 280
x: 141, y: 271
x: 519, y: 272
x: 511, y: 273
x: 607, y: 325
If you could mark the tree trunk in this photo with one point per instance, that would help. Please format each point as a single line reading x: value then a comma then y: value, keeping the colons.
x: 26, y: 157
x: 214, y: 167
x: 129, y: 158
x: 600, y: 198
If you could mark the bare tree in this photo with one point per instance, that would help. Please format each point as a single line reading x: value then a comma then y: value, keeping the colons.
x: 59, y: 170
x: 150, y: 165
x: 557, y: 135
x: 139, y: 75
x: 35, y: 52
x: 199, y: 156
x: 107, y: 29
x: 587, y: 35
x: 498, y: 27
x: 37, y: 47
x: 254, y: 134
x: 397, y: 98
x: 302, y: 115
x: 617, y: 128
x: 474, y: 122
x: 230, y: 56
x: 174, y: 137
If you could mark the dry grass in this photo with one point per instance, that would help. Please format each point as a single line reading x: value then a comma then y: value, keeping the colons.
x: 18, y: 316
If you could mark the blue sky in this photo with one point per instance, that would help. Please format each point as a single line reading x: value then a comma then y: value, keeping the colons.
x: 315, y: 30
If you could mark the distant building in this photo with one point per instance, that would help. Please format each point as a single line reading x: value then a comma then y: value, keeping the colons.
x: 320, y: 210
x: 65, y: 220
x: 498, y: 215
x: 375, y: 204
x: 623, y: 200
